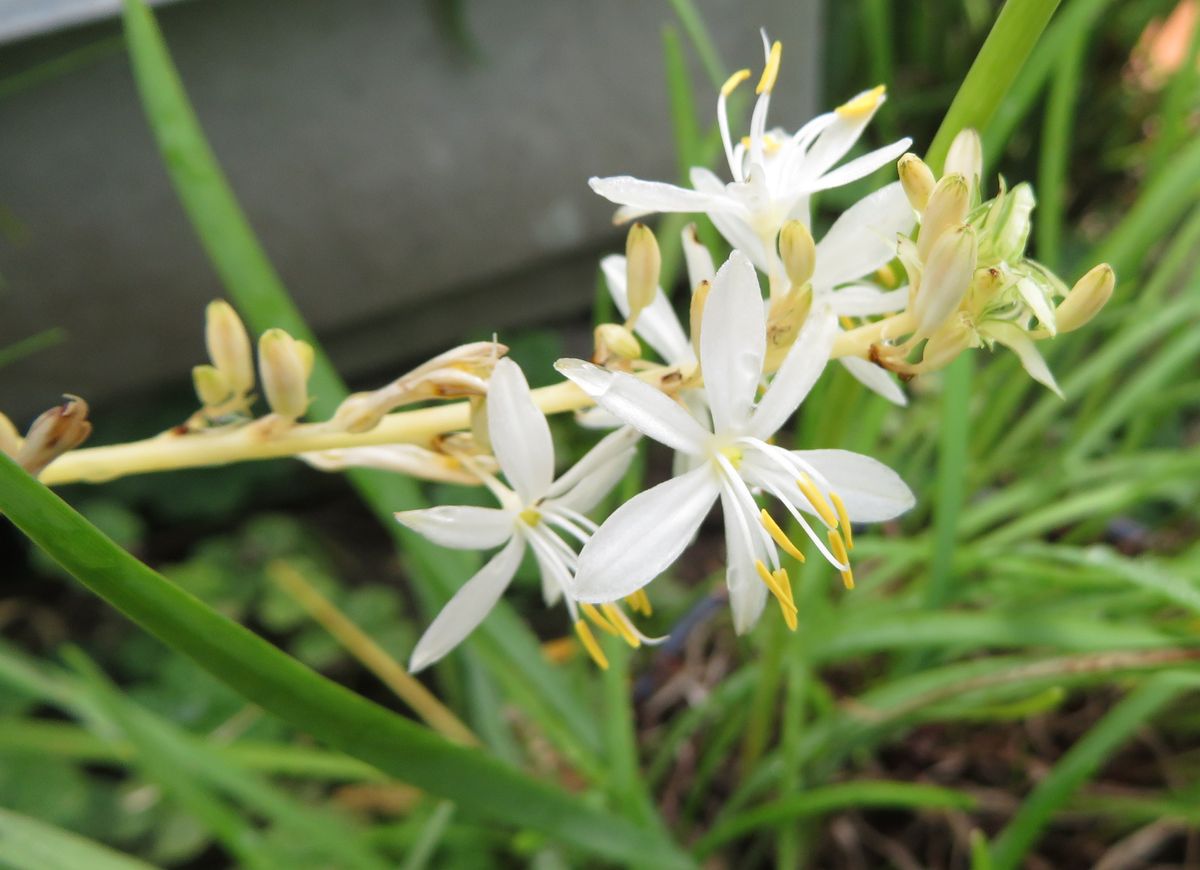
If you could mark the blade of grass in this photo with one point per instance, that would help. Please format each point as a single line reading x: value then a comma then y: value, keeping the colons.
x: 29, y: 844
x: 693, y: 25
x: 283, y: 686
x: 29, y: 345
x: 1056, y: 149
x: 1081, y: 763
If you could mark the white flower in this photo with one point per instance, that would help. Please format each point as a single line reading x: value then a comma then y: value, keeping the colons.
x: 535, y: 510
x: 773, y: 172
x: 647, y: 533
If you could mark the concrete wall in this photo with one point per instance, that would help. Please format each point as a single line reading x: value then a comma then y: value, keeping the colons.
x: 408, y: 192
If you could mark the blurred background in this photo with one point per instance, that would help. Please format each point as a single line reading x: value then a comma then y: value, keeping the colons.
x: 417, y: 173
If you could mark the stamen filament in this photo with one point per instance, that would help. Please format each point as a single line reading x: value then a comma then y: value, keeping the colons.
x: 780, y: 537
x: 847, y: 531
x: 598, y: 618
x: 819, y: 502
x: 589, y: 643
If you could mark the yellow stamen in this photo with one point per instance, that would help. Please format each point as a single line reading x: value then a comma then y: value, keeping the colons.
x: 589, y: 643
x: 771, y: 72
x: 839, y: 552
x: 733, y: 454
x: 844, y: 518
x: 781, y: 591
x: 863, y: 104
x: 819, y: 502
x: 778, y: 536
x: 785, y: 584
x: 640, y: 602
x: 621, y: 623
x: 846, y: 322
x: 789, y: 612
x: 733, y: 81
x: 598, y: 618
x: 770, y: 143
x: 530, y: 516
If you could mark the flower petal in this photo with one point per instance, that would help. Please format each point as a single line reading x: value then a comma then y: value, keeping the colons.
x: 638, y: 404
x: 643, y: 537
x: 871, y: 491
x: 863, y: 238
x: 655, y: 196
x: 468, y: 607
x: 519, y: 432
x: 461, y: 527
x: 874, y: 379
x: 657, y: 323
x: 698, y: 258
x: 733, y: 340
x: 861, y: 167
x: 611, y: 446
x: 747, y: 592
x: 732, y: 223
x: 862, y: 300
x: 1015, y: 339
x: 801, y: 367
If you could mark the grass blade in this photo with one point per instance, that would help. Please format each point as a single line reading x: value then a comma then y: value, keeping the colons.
x: 27, y: 844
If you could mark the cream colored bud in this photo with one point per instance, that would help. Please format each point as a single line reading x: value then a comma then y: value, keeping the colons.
x: 946, y: 343
x: 947, y: 209
x: 10, y: 438
x: 359, y: 412
x: 1086, y: 298
x: 787, y: 315
x: 1016, y: 222
x: 229, y: 346
x: 965, y: 157
x: 699, y: 298
x: 614, y: 339
x: 283, y: 366
x: 946, y: 279
x: 479, y: 423
x: 212, y: 387
x: 917, y: 180
x: 643, y: 263
x: 62, y: 428
x: 798, y: 252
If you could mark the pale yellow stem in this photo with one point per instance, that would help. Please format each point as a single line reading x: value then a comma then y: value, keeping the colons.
x: 360, y: 645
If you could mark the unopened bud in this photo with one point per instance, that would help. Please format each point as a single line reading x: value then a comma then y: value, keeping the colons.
x: 798, y: 252
x: 696, y: 315
x: 62, y: 428
x: 965, y: 157
x: 359, y: 412
x: 946, y: 279
x: 229, y: 346
x: 917, y: 180
x: 944, y: 345
x: 283, y: 366
x: 479, y: 423
x: 1086, y: 298
x: 643, y: 262
x: 212, y: 387
x: 612, y: 339
x: 10, y: 438
x: 947, y: 209
x: 787, y: 315
x: 1015, y: 221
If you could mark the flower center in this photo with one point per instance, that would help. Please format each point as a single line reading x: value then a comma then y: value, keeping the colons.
x: 530, y: 516
x: 733, y: 453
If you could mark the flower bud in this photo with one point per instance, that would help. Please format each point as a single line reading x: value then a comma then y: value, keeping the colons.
x: 643, y: 262
x: 965, y: 157
x: 1086, y: 298
x: 696, y: 315
x: 212, y: 387
x: 612, y: 339
x: 479, y: 423
x: 62, y: 428
x: 229, y: 346
x: 946, y: 279
x: 946, y: 343
x: 798, y: 252
x: 359, y: 412
x: 917, y: 180
x: 947, y: 208
x: 10, y: 438
x: 283, y: 366
x: 787, y: 315
x: 1015, y: 221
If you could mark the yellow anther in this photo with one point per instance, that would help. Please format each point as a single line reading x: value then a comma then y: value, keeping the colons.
x: 863, y: 104
x: 771, y: 72
x: 781, y: 589
x: 819, y: 502
x: 589, y: 643
x: 640, y: 602
x: 770, y: 143
x: 838, y: 546
x: 530, y: 516
x: 779, y: 537
x: 844, y: 518
x: 597, y: 617
x: 621, y: 623
x: 733, y: 454
x: 785, y: 584
x: 846, y: 322
x: 733, y: 81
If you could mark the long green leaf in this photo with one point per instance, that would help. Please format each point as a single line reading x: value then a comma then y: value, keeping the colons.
x: 308, y: 701
x: 27, y: 844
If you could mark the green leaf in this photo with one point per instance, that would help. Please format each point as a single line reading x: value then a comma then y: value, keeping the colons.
x: 289, y: 690
x: 27, y: 844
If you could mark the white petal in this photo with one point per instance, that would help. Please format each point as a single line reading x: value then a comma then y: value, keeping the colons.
x: 589, y: 492
x: 399, y: 458
x: 656, y: 196
x: 468, y: 607
x: 596, y: 417
x: 874, y: 379
x: 862, y: 300
x: 1037, y: 302
x: 698, y: 258
x: 638, y: 404
x: 861, y: 167
x: 519, y: 432
x: 747, y: 592
x: 831, y: 145
x: 657, y: 323
x: 606, y: 450
x: 801, y: 367
x: 733, y: 340
x: 863, y: 238
x: 871, y: 491
x: 643, y: 537
x: 732, y: 223
x: 1015, y: 339
x: 461, y: 527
